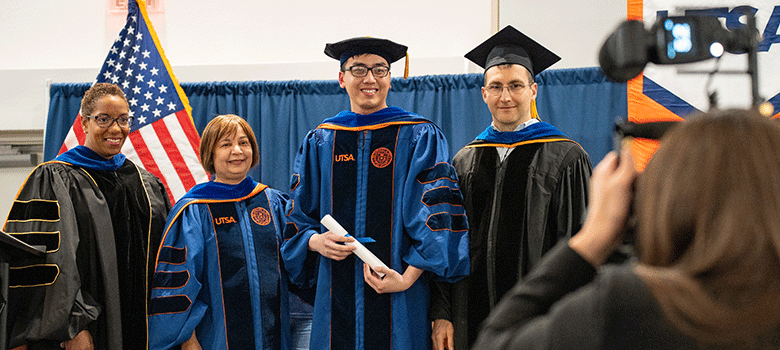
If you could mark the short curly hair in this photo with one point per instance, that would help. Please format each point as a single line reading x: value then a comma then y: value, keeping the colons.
x: 96, y: 92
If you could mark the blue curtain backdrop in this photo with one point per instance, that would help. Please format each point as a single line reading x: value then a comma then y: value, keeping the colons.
x: 581, y: 102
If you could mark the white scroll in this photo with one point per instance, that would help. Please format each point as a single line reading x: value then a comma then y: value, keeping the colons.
x: 360, y: 250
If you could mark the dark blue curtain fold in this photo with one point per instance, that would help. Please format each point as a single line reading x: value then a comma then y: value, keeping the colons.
x: 584, y: 104
x: 581, y: 102
x: 64, y: 104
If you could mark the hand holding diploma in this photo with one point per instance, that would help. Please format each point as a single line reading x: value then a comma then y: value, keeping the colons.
x: 332, y: 245
x: 376, y: 274
x: 360, y: 250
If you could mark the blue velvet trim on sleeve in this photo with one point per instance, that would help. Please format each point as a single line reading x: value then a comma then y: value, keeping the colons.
x: 439, y: 171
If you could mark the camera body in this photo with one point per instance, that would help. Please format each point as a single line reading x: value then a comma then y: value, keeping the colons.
x: 671, y: 40
x: 686, y: 39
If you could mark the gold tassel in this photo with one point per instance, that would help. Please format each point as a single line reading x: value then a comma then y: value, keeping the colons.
x: 534, y: 113
x: 406, y: 67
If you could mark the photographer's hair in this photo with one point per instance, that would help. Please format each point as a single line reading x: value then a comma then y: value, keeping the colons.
x: 97, y: 91
x: 218, y: 128
x: 708, y: 239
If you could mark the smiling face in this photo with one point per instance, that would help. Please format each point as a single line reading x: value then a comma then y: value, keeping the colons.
x: 107, y: 142
x: 367, y: 94
x: 507, y: 108
x: 232, y: 157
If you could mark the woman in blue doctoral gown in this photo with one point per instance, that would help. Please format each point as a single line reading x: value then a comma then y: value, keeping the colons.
x: 219, y: 282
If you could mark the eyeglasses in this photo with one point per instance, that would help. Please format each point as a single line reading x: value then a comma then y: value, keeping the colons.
x: 362, y: 71
x: 105, y: 121
x: 496, y: 89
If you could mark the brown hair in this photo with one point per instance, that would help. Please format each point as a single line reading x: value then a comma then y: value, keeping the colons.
x: 97, y: 91
x: 530, y: 76
x: 708, y: 239
x: 216, y: 129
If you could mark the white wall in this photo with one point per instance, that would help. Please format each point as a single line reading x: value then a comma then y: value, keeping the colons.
x: 574, y: 30
x: 238, y: 40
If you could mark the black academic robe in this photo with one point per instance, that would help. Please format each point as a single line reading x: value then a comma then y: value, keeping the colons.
x: 564, y: 304
x: 101, y: 230
x: 517, y: 210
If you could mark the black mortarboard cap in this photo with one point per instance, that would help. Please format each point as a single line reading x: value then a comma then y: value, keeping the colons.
x: 345, y: 49
x: 511, y: 46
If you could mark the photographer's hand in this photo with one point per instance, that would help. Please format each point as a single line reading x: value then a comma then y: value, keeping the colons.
x: 610, y: 200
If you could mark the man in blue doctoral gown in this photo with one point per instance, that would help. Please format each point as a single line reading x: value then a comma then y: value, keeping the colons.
x: 384, y: 174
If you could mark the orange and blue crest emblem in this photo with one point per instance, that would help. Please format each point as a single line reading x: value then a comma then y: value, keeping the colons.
x: 261, y: 216
x: 381, y: 157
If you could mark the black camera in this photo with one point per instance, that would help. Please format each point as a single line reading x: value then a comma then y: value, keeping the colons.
x: 687, y: 39
x: 671, y: 40
x: 677, y: 40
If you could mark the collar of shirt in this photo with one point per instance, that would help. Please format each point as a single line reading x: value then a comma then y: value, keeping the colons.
x: 503, y: 152
x: 519, y: 127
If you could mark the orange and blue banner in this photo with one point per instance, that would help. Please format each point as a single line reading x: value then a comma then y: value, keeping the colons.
x: 669, y: 93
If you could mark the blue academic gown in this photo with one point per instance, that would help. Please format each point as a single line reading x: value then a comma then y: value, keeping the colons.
x: 218, y: 270
x: 385, y: 177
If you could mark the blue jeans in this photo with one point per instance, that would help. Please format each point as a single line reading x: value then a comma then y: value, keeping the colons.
x: 301, y: 333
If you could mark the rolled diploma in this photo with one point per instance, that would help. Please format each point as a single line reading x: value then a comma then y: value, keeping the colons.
x: 360, y: 250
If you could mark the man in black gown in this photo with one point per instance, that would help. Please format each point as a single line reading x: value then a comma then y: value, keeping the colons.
x: 524, y: 184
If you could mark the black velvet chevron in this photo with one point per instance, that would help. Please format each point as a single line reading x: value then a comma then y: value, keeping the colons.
x: 51, y: 240
x: 170, y: 280
x: 34, y: 210
x: 172, y: 255
x: 447, y: 221
x: 33, y: 275
x: 169, y: 305
x: 442, y: 195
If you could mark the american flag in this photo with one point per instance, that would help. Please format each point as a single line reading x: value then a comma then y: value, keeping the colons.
x: 163, y: 138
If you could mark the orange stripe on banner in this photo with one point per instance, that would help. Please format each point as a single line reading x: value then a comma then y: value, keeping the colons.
x: 643, y: 109
x: 189, y: 129
x: 643, y: 150
x: 142, y: 150
x: 635, y: 10
x: 177, y: 161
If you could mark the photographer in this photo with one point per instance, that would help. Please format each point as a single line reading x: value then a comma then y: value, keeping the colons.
x: 708, y: 247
